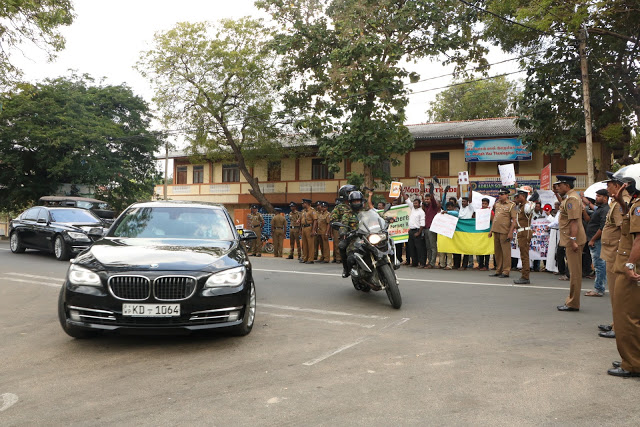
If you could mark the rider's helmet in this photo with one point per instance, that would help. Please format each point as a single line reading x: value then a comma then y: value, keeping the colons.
x: 629, y: 175
x: 356, y: 201
x: 345, y: 190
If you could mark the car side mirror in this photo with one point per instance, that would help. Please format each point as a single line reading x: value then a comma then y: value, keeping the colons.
x: 248, y: 235
x: 337, y: 225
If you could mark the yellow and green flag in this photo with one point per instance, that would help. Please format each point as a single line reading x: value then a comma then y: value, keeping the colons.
x: 467, y: 240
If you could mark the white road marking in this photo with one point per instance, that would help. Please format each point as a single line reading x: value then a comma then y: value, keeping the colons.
x: 8, y: 400
x: 353, y: 344
x: 403, y: 279
x: 331, y: 313
x: 315, y: 319
x: 32, y: 276
x: 31, y: 282
x: 4, y: 249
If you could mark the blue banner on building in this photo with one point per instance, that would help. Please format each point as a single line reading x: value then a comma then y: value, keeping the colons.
x: 495, y: 150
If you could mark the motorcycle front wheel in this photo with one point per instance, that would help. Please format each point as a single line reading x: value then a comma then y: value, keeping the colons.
x: 391, y: 285
x: 268, y: 247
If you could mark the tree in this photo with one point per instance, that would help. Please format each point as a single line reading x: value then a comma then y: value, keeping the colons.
x: 343, y: 63
x: 216, y: 81
x: 551, y: 104
x: 30, y: 21
x: 475, y: 99
x: 70, y: 130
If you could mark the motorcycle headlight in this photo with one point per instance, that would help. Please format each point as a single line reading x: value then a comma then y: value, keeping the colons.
x: 81, y: 276
x: 374, y: 239
x: 231, y: 277
x: 81, y: 237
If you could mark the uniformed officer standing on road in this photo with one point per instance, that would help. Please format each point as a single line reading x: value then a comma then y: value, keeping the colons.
x: 626, y: 302
x: 294, y: 230
x: 502, y: 232
x: 335, y: 234
x: 256, y: 222
x: 611, y: 233
x: 322, y: 237
x: 309, y: 224
x: 572, y: 237
x: 524, y: 214
x: 278, y: 225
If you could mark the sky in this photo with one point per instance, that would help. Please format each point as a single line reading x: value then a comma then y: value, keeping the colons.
x: 107, y: 37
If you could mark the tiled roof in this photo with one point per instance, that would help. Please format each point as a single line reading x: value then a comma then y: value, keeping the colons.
x: 466, y: 129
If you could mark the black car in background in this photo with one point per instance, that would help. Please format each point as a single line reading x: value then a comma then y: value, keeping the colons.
x: 62, y: 231
x: 99, y: 207
x: 163, y: 267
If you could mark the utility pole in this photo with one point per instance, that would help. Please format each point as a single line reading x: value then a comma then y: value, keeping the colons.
x: 586, y: 99
x: 166, y: 167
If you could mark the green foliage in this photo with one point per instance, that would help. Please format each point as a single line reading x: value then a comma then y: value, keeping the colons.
x: 344, y: 65
x: 551, y: 104
x: 35, y: 21
x: 69, y: 130
x: 217, y: 82
x: 356, y: 179
x: 475, y: 99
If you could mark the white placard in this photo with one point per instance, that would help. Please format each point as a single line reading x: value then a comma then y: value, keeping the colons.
x: 483, y: 219
x: 463, y: 178
x: 507, y: 174
x: 477, y: 200
x: 396, y: 189
x: 444, y: 224
x: 547, y: 197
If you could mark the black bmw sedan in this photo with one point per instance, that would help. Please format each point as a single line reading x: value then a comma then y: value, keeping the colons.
x: 63, y: 231
x: 163, y: 267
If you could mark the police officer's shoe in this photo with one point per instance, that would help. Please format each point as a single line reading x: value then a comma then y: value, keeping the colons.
x: 619, y: 372
x: 605, y: 328
x: 345, y: 273
x: 258, y: 255
x: 567, y: 308
x: 616, y: 364
x: 300, y: 260
x: 290, y: 257
x: 521, y: 281
x: 309, y: 262
x: 503, y: 276
x: 495, y: 275
x: 608, y: 334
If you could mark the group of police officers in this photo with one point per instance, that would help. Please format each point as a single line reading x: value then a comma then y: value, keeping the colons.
x: 620, y: 245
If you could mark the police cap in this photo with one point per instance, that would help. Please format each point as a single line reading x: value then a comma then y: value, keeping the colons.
x: 504, y: 190
x: 565, y: 179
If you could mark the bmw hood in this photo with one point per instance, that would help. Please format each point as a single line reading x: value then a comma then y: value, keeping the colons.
x: 163, y: 254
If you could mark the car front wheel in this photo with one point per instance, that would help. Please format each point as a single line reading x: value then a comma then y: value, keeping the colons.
x: 60, y: 249
x: 249, y: 315
x: 15, y: 244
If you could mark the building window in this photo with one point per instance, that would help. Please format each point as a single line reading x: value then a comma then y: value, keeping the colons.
x: 440, y: 164
x: 198, y: 174
x: 230, y: 173
x: 274, y: 170
x: 558, y: 163
x: 319, y: 170
x: 386, y: 167
x: 181, y: 175
x: 516, y: 166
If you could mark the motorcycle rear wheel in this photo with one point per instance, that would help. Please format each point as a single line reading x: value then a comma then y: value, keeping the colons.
x: 391, y: 286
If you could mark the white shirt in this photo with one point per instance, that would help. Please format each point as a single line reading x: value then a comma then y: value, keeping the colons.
x: 465, y: 213
x: 416, y: 217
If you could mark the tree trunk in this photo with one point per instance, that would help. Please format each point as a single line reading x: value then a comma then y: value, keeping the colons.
x: 605, y: 161
x: 368, y: 176
x: 255, y: 188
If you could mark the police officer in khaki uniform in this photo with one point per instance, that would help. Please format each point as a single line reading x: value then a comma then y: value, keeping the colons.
x: 335, y: 234
x: 322, y: 237
x: 278, y: 225
x: 524, y: 213
x: 610, y: 239
x: 294, y: 230
x: 572, y: 237
x: 502, y: 232
x: 309, y: 224
x: 626, y: 299
x: 256, y: 222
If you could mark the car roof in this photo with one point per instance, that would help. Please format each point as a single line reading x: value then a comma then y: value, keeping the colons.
x: 70, y: 198
x: 178, y: 203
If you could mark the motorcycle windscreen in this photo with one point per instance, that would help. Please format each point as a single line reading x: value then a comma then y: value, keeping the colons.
x: 370, y: 221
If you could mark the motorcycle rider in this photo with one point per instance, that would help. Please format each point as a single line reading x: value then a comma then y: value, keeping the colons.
x: 336, y: 216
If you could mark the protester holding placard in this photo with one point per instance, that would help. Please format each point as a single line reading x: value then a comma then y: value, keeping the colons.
x: 483, y: 260
x: 431, y: 207
x: 415, y: 245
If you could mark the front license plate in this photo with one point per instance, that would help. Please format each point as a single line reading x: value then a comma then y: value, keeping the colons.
x: 151, y: 310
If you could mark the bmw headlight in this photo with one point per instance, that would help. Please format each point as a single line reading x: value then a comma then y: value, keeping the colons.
x: 81, y: 276
x: 374, y: 239
x: 231, y: 277
x: 81, y: 237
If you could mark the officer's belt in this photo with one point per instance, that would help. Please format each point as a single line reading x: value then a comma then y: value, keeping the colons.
x: 524, y: 229
x: 306, y: 225
x: 295, y: 226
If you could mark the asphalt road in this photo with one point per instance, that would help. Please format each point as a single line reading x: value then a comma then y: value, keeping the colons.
x: 464, y: 349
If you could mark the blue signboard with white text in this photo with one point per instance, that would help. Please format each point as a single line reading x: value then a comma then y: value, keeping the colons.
x: 495, y: 150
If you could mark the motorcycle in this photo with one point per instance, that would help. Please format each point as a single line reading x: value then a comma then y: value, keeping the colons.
x: 372, y: 257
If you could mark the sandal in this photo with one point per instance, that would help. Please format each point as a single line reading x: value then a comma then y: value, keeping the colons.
x: 593, y: 294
